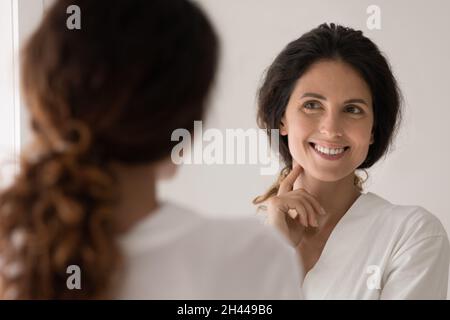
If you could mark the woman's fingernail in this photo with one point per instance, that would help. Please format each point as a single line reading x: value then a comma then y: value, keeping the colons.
x: 293, y: 213
x: 322, y: 211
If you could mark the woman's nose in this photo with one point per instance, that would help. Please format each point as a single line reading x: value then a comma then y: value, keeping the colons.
x: 330, y: 126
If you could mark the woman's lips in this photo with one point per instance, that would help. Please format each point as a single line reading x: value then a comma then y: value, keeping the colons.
x: 326, y: 156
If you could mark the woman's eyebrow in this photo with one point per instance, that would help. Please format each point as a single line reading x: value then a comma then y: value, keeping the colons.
x: 356, y: 101
x: 321, y: 97
x: 313, y: 95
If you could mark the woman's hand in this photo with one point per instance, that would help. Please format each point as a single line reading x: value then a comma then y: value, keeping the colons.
x: 291, y: 211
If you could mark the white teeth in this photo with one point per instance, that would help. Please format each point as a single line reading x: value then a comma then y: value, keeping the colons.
x: 328, y: 151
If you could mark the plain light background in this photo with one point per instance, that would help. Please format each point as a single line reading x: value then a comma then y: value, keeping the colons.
x: 413, y: 35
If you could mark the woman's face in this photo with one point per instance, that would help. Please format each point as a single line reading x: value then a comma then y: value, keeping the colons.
x: 330, y: 106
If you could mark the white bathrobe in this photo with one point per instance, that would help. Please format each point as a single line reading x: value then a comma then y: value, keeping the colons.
x: 177, y: 254
x: 382, y: 251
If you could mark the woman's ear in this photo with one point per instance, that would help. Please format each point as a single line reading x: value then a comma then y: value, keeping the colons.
x: 283, y: 127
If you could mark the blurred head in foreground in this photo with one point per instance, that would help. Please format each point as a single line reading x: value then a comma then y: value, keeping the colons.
x: 105, y: 95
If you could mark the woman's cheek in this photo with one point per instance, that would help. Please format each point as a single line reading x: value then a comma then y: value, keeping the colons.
x: 361, y: 154
x: 297, y: 147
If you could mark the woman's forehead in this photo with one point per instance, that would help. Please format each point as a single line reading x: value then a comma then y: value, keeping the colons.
x: 333, y: 80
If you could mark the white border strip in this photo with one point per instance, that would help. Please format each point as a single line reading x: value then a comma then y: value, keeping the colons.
x: 16, y: 83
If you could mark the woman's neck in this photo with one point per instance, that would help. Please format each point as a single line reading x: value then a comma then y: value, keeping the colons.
x: 335, y: 197
x: 137, y: 192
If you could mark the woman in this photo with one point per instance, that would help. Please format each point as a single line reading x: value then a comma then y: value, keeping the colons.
x: 104, y: 101
x: 333, y: 97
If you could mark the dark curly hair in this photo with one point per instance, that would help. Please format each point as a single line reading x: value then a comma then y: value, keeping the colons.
x: 332, y: 42
x: 112, y: 91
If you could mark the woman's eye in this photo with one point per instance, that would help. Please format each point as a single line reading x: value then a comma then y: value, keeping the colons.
x: 354, y: 109
x: 314, y: 105
x: 311, y: 105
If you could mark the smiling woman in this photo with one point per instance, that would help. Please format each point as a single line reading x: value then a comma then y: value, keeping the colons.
x: 333, y: 96
x: 322, y: 118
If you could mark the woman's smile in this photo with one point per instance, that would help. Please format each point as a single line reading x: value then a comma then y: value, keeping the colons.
x: 328, y: 153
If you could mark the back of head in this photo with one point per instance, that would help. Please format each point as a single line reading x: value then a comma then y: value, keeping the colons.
x: 110, y: 92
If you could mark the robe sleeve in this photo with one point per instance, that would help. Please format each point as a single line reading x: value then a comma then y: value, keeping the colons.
x: 420, y: 271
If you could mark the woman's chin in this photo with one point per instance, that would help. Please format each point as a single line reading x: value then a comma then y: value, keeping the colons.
x: 326, y: 177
